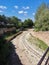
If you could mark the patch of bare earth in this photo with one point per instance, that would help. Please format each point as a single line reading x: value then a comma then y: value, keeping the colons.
x: 42, y: 35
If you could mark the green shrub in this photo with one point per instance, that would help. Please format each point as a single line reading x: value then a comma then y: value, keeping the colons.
x: 5, y: 50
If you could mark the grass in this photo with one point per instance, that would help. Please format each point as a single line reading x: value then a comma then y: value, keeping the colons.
x: 42, y: 44
x: 39, y: 43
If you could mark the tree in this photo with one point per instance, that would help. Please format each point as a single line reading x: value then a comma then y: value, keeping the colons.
x: 11, y: 21
x: 42, y: 18
x: 28, y: 23
x: 14, y: 20
x: 3, y: 19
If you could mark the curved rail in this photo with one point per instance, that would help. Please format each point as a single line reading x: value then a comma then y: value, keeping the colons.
x: 41, y: 60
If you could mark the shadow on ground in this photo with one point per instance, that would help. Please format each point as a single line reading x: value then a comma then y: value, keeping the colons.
x: 14, y: 58
x: 8, y: 56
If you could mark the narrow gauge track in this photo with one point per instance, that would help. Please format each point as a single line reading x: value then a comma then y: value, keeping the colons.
x: 30, y: 49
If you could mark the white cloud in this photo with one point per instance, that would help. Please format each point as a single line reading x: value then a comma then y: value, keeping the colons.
x: 26, y: 7
x: 1, y: 11
x: 16, y: 6
x: 33, y: 14
x: 25, y: 12
x: 3, y: 7
x: 21, y: 12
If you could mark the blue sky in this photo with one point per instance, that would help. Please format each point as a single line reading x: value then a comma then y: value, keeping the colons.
x: 22, y: 9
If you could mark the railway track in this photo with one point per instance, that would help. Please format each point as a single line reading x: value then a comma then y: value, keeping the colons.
x: 30, y: 48
x: 27, y: 53
x: 33, y: 52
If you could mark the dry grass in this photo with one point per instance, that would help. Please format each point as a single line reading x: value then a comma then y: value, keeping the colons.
x: 42, y: 35
x: 37, y: 42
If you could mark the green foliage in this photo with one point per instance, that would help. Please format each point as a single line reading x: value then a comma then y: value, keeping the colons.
x: 28, y: 23
x: 3, y: 18
x: 14, y: 21
x: 11, y: 21
x: 42, y: 18
x: 19, y: 24
x: 4, y: 52
x: 42, y: 44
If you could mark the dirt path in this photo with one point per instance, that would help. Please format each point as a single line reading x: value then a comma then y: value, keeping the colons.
x: 20, y: 50
x: 24, y: 51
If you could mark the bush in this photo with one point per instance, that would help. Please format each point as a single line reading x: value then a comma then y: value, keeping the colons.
x: 5, y: 49
x: 42, y: 18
